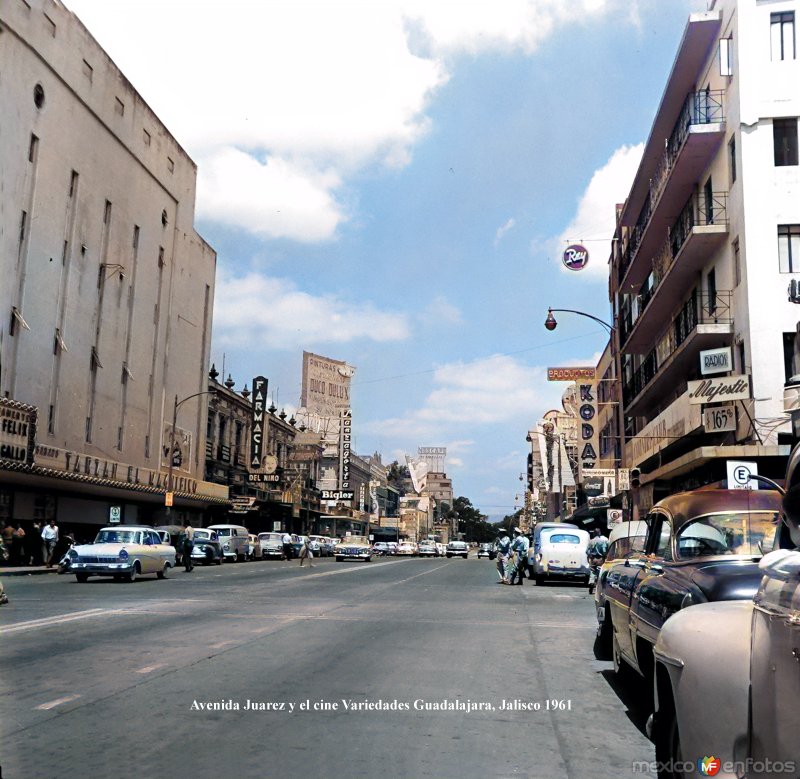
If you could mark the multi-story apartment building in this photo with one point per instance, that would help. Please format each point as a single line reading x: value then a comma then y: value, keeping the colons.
x: 706, y: 245
x: 106, y: 290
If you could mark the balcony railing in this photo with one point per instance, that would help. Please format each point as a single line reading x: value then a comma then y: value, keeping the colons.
x: 701, y: 308
x: 700, y: 108
x: 702, y: 209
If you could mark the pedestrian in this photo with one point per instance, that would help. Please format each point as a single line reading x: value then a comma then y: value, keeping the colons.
x: 288, y: 551
x: 18, y: 545
x: 50, y: 539
x: 502, y: 547
x: 596, y: 553
x: 519, y: 547
x: 7, y: 532
x: 33, y: 551
x: 187, y: 545
x: 306, y: 553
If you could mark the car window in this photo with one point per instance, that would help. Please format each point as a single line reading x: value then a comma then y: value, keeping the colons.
x: 563, y: 538
x: 622, y: 547
x: 740, y: 533
x: 664, y: 543
x: 223, y: 531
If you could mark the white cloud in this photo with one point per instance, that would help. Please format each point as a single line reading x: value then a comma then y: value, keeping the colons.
x: 441, y: 311
x: 280, y: 103
x: 503, y: 229
x: 288, y: 318
x: 594, y: 221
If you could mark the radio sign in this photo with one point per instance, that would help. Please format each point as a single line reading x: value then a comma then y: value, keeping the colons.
x: 575, y: 257
x: 716, y: 361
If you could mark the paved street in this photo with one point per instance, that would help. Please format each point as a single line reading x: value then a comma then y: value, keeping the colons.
x: 110, y: 679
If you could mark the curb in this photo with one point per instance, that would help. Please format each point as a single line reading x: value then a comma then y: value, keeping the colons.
x: 26, y: 571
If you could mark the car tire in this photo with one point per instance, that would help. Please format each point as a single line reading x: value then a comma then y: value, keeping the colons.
x: 134, y: 573
x: 603, y: 640
x: 339, y: 559
x: 82, y: 577
x: 538, y: 579
x: 218, y: 561
x: 668, y: 745
x: 162, y: 574
x: 449, y: 556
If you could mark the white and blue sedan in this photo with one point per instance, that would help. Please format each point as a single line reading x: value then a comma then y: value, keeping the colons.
x: 124, y: 552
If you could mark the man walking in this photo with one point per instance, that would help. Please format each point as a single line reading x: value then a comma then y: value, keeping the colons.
x: 49, y: 540
x: 503, y: 548
x: 519, y: 546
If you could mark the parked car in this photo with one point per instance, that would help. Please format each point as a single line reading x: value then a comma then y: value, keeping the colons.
x: 393, y: 546
x: 457, y: 549
x: 234, y: 540
x: 124, y: 552
x: 406, y: 548
x: 701, y: 546
x: 427, y: 549
x: 381, y: 548
x: 560, y: 553
x: 271, y: 545
x: 486, y: 550
x: 625, y: 540
x: 353, y: 548
x: 206, y: 547
x: 726, y: 673
x: 319, y: 546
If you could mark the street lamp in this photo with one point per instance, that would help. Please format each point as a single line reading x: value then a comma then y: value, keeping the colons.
x: 550, y: 323
x: 172, y: 439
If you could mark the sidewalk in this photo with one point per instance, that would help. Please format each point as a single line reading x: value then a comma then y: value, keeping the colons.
x: 26, y: 570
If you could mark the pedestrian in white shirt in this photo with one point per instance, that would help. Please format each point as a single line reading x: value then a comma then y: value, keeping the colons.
x: 50, y: 539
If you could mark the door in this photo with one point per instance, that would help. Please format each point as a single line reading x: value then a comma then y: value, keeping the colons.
x: 775, y: 672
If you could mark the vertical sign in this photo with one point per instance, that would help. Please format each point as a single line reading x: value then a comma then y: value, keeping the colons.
x: 345, y: 422
x: 589, y: 435
x: 258, y: 428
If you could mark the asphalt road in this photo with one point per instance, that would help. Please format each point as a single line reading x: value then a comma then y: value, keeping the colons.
x: 394, y: 668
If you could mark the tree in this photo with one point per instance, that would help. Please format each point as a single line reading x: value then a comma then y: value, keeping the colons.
x: 397, y: 476
x: 471, y: 522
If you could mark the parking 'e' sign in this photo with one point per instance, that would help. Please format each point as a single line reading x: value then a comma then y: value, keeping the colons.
x: 740, y: 473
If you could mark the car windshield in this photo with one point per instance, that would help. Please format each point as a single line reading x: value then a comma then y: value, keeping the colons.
x: 563, y: 538
x: 737, y: 532
x: 624, y: 546
x: 201, y: 535
x: 270, y: 537
x: 355, y: 540
x: 116, y: 537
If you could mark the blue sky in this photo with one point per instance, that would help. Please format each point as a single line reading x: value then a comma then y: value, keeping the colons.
x: 392, y: 184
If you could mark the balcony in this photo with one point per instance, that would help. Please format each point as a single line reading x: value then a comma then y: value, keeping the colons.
x: 703, y: 322
x: 699, y: 230
x: 691, y: 146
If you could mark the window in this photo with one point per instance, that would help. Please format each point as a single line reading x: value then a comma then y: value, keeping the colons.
x: 664, y: 547
x: 788, y: 355
x: 789, y: 248
x: 711, y: 281
x: 708, y: 202
x: 732, y: 158
x: 782, y: 37
x: 745, y: 533
x: 740, y: 352
x: 726, y: 56
x: 737, y: 264
x: 784, y: 140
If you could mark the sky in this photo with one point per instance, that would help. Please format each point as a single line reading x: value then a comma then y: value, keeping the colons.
x: 392, y: 183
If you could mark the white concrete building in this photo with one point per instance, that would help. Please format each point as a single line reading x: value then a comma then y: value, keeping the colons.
x: 707, y: 243
x: 106, y: 290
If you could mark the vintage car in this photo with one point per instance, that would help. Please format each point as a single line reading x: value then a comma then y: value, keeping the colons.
x: 408, y: 548
x: 561, y: 554
x: 124, y: 552
x: 320, y: 546
x: 727, y: 682
x: 701, y: 546
x: 427, y: 549
x: 382, y: 548
x: 353, y: 548
x: 206, y: 547
x: 457, y: 549
x: 271, y: 545
x: 234, y: 539
x: 486, y: 550
x: 625, y: 540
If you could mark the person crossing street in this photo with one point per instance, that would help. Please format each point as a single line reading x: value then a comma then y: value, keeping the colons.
x: 519, y: 546
x: 503, y: 548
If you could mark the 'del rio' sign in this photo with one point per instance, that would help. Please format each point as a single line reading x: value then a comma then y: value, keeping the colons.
x: 575, y: 257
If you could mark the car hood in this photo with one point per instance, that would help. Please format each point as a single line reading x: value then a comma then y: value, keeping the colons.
x: 100, y: 550
x: 728, y: 579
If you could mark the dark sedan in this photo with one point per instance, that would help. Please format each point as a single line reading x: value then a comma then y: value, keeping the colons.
x: 701, y: 546
x: 206, y: 547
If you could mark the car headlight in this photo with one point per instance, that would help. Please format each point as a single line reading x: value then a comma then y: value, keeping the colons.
x: 123, y: 554
x: 72, y: 554
x: 227, y: 547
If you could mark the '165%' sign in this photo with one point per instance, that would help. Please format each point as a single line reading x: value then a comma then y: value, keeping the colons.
x: 719, y: 419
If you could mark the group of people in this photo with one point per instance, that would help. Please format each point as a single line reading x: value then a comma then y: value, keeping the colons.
x: 34, y: 547
x: 512, y: 555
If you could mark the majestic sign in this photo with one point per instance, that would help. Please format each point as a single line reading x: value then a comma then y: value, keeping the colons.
x: 718, y: 389
x: 345, y: 434
x: 716, y: 361
x: 575, y: 257
x: 259, y: 428
x: 588, y: 432
x: 17, y: 431
x: 571, y: 374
